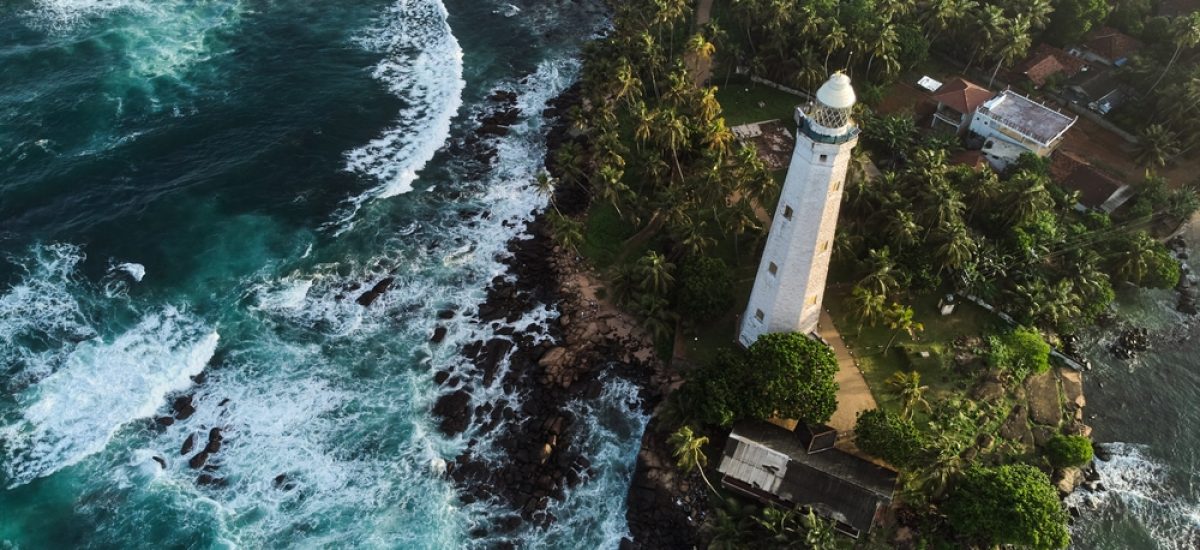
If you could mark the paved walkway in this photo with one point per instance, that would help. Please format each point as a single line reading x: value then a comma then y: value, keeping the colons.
x: 854, y: 395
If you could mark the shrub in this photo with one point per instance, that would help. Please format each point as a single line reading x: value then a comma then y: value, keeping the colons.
x: 1021, y: 352
x: 706, y: 289
x: 1013, y: 504
x: 887, y: 436
x: 785, y: 375
x: 1069, y: 450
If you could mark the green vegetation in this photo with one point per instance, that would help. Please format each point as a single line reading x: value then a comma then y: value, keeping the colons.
x: 1021, y: 352
x: 706, y: 291
x: 1012, y: 504
x: 744, y: 102
x: 890, y: 437
x: 1069, y: 450
x: 781, y: 375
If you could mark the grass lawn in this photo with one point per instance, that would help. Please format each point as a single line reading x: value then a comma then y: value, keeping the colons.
x: 740, y: 102
x: 936, y: 370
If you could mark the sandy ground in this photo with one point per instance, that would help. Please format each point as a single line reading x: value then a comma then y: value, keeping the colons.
x: 854, y: 396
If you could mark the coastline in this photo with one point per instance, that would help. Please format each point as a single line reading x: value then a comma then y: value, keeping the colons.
x: 549, y: 366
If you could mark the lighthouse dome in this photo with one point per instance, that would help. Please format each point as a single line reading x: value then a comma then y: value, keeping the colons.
x: 837, y: 93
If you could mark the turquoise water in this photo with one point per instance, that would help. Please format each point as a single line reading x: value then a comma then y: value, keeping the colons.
x: 1145, y: 412
x: 202, y: 186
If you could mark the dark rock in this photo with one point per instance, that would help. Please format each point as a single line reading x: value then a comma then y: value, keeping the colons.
x: 441, y: 377
x: 164, y: 420
x: 454, y: 410
x: 214, y: 441
x: 446, y: 314
x: 188, y: 444
x: 183, y: 407
x: 367, y: 298
x: 198, y: 460
x: 439, y: 334
x: 223, y: 402
x: 162, y: 462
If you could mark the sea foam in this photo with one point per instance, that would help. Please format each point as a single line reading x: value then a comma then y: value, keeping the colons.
x: 103, y: 385
x: 422, y: 65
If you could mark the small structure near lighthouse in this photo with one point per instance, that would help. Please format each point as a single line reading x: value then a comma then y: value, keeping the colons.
x: 790, y: 283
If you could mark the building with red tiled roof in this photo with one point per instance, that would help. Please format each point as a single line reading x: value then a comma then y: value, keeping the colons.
x: 1108, y: 46
x: 1097, y: 190
x: 956, y: 103
x: 1048, y: 61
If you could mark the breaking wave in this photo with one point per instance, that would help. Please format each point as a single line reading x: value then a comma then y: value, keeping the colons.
x: 423, y: 66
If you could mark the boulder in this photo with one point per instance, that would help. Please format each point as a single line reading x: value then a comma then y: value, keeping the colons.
x: 183, y: 407
x: 198, y: 460
x: 1044, y: 405
x: 553, y: 358
x: 367, y: 298
x: 439, y: 334
x: 1068, y: 480
x: 188, y: 444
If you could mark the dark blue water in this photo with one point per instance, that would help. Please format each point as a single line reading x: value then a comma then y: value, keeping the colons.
x: 204, y: 186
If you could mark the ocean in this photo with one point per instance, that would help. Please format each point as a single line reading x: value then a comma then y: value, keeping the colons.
x: 192, y: 195
x: 1144, y: 413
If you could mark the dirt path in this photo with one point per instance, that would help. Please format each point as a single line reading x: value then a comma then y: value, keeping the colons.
x: 854, y: 396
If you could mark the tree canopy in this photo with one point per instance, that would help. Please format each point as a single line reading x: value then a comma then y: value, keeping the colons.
x: 1012, y: 504
x: 784, y: 375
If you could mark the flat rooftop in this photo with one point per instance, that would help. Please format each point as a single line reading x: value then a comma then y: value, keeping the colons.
x: 1027, y: 116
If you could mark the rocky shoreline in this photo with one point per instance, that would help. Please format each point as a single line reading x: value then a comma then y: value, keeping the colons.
x: 549, y: 366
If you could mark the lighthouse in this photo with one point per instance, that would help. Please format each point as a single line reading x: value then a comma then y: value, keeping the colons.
x: 790, y: 283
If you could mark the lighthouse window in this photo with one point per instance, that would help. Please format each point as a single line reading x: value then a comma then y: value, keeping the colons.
x: 824, y: 158
x: 773, y: 268
x: 758, y: 314
x: 837, y: 185
x: 824, y: 246
x: 787, y: 212
x: 812, y: 300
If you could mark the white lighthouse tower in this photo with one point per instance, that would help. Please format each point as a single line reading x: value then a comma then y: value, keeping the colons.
x: 791, y: 275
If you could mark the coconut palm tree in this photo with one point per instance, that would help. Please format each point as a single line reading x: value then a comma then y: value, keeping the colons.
x: 818, y: 533
x: 900, y: 319
x: 907, y: 386
x: 1014, y: 41
x: 628, y: 85
x: 867, y: 305
x: 882, y: 275
x: 1026, y: 196
x: 902, y: 228
x: 655, y: 273
x: 1185, y: 34
x: 956, y: 246
x: 656, y: 315
x: 546, y: 184
x: 1156, y: 145
x: 699, y: 46
x: 688, y: 450
x: 566, y: 232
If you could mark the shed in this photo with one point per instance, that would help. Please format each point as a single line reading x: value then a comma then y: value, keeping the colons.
x: 956, y: 103
x: 774, y: 465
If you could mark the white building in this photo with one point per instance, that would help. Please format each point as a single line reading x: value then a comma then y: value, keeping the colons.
x: 791, y: 274
x: 1012, y: 124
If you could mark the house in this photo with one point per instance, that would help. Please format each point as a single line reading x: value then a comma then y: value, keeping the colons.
x: 1011, y: 124
x: 1107, y: 46
x: 1098, y: 191
x: 803, y: 468
x: 1100, y: 91
x: 956, y: 103
x: 1048, y: 61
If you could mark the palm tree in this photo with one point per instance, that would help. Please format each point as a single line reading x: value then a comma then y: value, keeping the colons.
x: 883, y: 46
x: 656, y: 315
x: 900, y: 319
x: 957, y: 247
x: 1014, y: 41
x: 1156, y: 145
x: 688, y: 450
x: 903, y: 228
x: 818, y: 533
x: 699, y: 46
x: 1027, y: 195
x: 611, y: 187
x: 1186, y: 34
x: 834, y: 40
x: 907, y: 386
x: 628, y: 85
x: 882, y: 277
x: 655, y: 273
x: 868, y: 305
x: 546, y: 185
x: 566, y: 232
